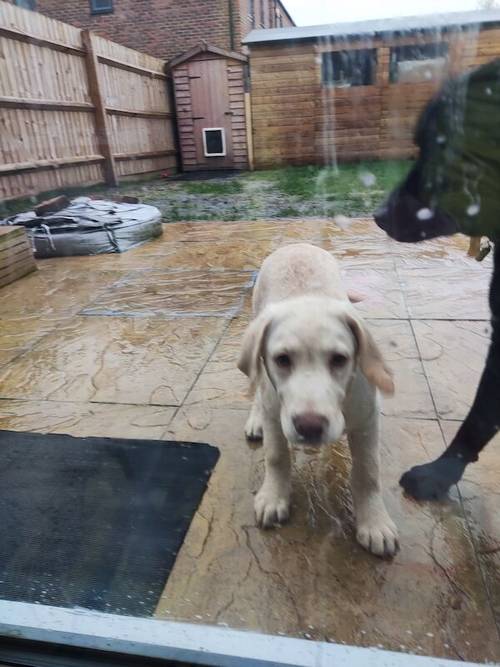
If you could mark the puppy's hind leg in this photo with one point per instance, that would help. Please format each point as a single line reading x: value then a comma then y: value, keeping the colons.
x: 253, y: 427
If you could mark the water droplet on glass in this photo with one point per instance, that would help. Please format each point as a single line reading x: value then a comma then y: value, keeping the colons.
x: 428, y: 75
x: 441, y: 139
x: 473, y: 209
x: 423, y: 235
x: 425, y: 214
x: 368, y: 179
x: 488, y: 91
x: 342, y: 221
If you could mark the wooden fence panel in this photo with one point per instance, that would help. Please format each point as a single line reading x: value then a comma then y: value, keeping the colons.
x: 68, y: 118
x: 134, y: 87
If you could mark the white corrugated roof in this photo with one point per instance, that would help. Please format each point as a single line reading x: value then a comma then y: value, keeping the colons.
x: 375, y: 27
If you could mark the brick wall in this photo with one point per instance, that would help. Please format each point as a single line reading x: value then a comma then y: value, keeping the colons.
x: 267, y: 14
x: 162, y: 28
x: 166, y: 28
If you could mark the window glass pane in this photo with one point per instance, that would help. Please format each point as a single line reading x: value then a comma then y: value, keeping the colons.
x: 212, y: 171
x: 27, y: 4
x: 416, y: 63
x: 349, y: 68
x: 101, y: 6
x: 214, y: 142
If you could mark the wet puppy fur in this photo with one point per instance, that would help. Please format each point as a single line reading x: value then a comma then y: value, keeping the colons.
x: 316, y: 371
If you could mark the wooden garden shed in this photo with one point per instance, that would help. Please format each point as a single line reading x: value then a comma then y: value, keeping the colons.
x: 211, y: 106
x: 353, y: 91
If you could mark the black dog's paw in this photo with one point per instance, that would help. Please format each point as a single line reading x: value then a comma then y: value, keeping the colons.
x: 432, y: 481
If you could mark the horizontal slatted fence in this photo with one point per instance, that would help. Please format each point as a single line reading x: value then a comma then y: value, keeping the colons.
x: 76, y: 109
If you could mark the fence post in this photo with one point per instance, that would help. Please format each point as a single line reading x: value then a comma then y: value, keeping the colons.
x: 101, y: 122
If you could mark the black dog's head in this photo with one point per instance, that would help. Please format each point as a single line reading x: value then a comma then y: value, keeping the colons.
x: 410, y: 213
x: 406, y: 217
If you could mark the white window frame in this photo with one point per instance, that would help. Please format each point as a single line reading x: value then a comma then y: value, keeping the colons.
x: 192, y: 643
x: 211, y: 129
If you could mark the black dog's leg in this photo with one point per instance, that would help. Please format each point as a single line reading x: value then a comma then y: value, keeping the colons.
x: 432, y: 480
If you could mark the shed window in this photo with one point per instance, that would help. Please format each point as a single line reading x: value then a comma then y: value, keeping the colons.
x: 101, y: 6
x: 343, y: 69
x: 416, y: 63
x: 214, y: 141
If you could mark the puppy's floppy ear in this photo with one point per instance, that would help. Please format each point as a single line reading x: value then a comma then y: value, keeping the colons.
x: 252, y: 346
x: 370, y: 358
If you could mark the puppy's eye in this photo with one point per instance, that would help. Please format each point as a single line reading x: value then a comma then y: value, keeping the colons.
x: 283, y: 361
x: 338, y: 360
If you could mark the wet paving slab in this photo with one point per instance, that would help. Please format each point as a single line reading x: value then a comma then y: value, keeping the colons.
x: 170, y: 294
x: 480, y: 492
x: 141, y: 360
x: 86, y: 419
x: 145, y: 344
x: 453, y: 355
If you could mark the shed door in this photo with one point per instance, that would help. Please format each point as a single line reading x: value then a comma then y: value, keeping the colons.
x: 210, y: 105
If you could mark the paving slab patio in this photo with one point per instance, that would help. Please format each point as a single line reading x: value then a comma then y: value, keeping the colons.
x: 145, y: 345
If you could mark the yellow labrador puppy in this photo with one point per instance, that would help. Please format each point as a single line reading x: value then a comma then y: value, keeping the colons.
x: 315, y: 370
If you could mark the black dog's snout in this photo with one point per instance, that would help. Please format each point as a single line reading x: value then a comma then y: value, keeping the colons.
x: 381, y: 217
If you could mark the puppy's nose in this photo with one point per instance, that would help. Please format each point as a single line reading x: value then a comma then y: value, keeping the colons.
x: 310, y: 425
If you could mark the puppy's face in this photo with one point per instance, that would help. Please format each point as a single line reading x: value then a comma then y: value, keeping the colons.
x: 310, y: 358
x: 309, y: 348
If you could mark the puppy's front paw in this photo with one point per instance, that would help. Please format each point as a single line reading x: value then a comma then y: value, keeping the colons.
x: 379, y: 536
x: 253, y: 427
x: 271, y: 508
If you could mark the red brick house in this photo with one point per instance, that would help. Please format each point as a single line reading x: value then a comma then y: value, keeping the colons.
x: 165, y: 28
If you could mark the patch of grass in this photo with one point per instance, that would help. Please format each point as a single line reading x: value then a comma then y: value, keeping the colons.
x: 220, y: 188
x: 173, y: 215
x: 288, y: 212
x: 291, y: 192
x: 264, y: 175
x: 370, y: 178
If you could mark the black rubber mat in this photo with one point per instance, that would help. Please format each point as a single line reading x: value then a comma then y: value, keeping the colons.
x: 95, y: 522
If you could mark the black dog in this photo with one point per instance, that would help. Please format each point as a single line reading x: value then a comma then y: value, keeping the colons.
x: 457, y: 137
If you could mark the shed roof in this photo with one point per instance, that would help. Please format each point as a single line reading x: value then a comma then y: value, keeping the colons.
x: 204, y: 47
x: 431, y: 22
